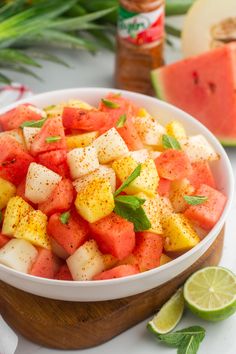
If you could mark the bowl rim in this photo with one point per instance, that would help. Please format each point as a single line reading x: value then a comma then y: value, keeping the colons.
x: 186, y: 117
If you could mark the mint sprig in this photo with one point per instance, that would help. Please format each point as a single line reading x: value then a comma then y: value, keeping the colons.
x: 33, y: 123
x: 169, y: 142
x: 110, y: 104
x: 136, y: 172
x: 121, y: 121
x: 65, y: 217
x: 195, y: 199
x: 187, y: 340
x: 129, y: 207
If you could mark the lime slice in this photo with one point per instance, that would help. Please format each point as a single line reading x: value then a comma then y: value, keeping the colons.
x: 210, y: 293
x: 169, y: 315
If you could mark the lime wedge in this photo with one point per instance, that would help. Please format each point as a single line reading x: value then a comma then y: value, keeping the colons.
x: 210, y: 293
x: 169, y: 315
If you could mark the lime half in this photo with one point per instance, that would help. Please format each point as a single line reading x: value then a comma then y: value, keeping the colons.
x: 169, y: 315
x: 210, y: 293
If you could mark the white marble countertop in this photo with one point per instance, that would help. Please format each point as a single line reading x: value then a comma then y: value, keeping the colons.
x: 88, y: 70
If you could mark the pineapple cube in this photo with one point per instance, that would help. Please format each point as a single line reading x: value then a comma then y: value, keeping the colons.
x: 176, y: 129
x: 164, y: 259
x: 149, y: 130
x: 18, y: 255
x: 198, y: 149
x: 110, y: 146
x: 56, y: 110
x: 95, y: 201
x: 151, y: 207
x: 86, y: 261
x: 40, y: 182
x: 29, y: 135
x: 165, y: 206
x: 178, y: 190
x: 146, y: 182
x: 33, y: 228
x: 7, y: 190
x: 80, y: 140
x: 143, y: 113
x: 82, y: 161
x: 179, y: 233
x: 102, y: 172
x: 16, y: 209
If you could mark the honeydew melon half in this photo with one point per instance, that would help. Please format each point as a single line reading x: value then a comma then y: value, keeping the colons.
x: 207, y: 25
x: 205, y: 87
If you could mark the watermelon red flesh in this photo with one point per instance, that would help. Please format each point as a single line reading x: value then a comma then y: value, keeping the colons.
x: 60, y: 199
x: 69, y: 236
x: 163, y: 188
x: 205, y: 87
x: 117, y: 272
x: 208, y: 213
x: 14, y: 160
x: 201, y: 174
x: 3, y: 240
x: 63, y: 273
x: 173, y: 164
x: 114, y: 235
x: 56, y: 161
x: 148, y: 250
x: 46, y: 264
x: 130, y: 136
x: 52, y: 128
x: 15, y: 117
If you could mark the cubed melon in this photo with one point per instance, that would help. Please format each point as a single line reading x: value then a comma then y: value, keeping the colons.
x: 148, y: 250
x: 82, y: 161
x: 7, y: 191
x: 173, y: 164
x: 80, y: 140
x: 120, y: 271
x: 46, y: 264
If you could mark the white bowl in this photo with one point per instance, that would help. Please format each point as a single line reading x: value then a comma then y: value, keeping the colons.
x: 122, y: 287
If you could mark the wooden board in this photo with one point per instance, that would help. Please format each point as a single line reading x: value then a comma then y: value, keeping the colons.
x: 77, y: 325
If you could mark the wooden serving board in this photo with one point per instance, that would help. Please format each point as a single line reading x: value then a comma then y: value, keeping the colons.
x: 77, y: 325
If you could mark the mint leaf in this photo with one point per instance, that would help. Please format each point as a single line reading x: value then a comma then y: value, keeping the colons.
x: 121, y: 121
x: 1, y: 217
x: 110, y: 104
x: 53, y: 139
x: 130, y: 200
x: 33, y: 123
x: 195, y: 199
x: 137, y: 216
x: 187, y: 340
x: 64, y: 217
x: 136, y: 172
x: 169, y: 142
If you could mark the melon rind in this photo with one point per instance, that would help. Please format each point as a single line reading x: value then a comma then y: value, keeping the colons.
x: 157, y: 84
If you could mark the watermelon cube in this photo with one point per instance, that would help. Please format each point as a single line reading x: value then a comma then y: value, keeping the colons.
x: 208, y: 213
x: 114, y: 235
x: 148, y: 250
x: 201, y: 174
x: 173, y: 164
x: 60, y: 199
x: 163, y: 188
x: 117, y: 272
x: 56, y: 161
x: 63, y: 273
x: 46, y: 264
x: 3, y: 240
x: 69, y: 236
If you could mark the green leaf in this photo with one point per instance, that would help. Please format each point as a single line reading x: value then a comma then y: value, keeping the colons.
x: 17, y: 56
x: 1, y: 217
x: 177, y: 7
x: 103, y: 39
x: 110, y: 104
x: 130, y: 179
x: 75, y: 23
x: 4, y: 79
x: 190, y: 345
x: 182, y: 339
x: 121, y: 121
x: 169, y: 142
x: 195, y: 199
x: 130, y: 200
x: 33, y: 123
x: 138, y: 216
x: 65, y: 217
x: 173, y: 31
x: 46, y: 56
x: 19, y: 68
x: 53, y: 139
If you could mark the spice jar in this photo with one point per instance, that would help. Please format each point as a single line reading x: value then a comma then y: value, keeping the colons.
x: 140, y: 37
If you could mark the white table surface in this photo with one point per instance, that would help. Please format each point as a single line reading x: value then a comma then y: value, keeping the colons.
x: 88, y: 70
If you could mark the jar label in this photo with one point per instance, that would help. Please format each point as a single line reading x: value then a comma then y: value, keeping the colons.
x: 141, y: 28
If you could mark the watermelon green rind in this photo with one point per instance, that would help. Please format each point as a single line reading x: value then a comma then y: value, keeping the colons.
x: 156, y: 82
x: 228, y: 142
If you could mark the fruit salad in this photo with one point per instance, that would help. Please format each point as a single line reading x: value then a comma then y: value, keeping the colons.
x: 95, y: 193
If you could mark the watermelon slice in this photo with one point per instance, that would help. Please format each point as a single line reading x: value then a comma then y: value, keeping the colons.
x: 205, y: 87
